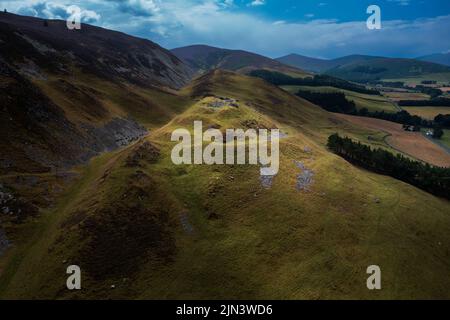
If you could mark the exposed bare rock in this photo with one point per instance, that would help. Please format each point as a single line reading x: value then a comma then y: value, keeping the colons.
x: 305, y: 178
x: 40, y: 137
x: 266, y: 181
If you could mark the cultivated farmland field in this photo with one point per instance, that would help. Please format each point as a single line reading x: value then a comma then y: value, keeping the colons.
x: 413, y: 144
x: 371, y: 102
x: 397, y: 96
x: 441, y: 78
x: 427, y: 112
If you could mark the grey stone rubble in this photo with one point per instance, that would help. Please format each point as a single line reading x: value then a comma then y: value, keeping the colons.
x: 188, y: 228
x: 307, y: 149
x: 266, y: 181
x: 305, y: 178
x: 116, y: 133
x: 4, y: 242
x: 6, y: 199
x: 222, y: 102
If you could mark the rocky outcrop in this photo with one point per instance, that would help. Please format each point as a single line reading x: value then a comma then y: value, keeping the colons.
x: 38, y: 136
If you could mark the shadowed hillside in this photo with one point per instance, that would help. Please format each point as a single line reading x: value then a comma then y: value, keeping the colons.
x: 35, y: 48
x: 320, y: 65
x: 442, y: 58
x: 69, y: 94
x: 385, y: 68
x: 363, y: 68
x: 203, y: 58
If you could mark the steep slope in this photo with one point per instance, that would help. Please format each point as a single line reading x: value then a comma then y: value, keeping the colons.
x: 141, y: 227
x: 63, y: 101
x: 68, y: 94
x: 35, y: 47
x: 441, y: 58
x: 204, y: 58
x: 39, y: 135
x: 320, y: 65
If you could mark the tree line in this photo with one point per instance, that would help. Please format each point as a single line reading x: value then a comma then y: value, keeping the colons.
x: 435, y: 180
x: 436, y: 102
x: 337, y: 102
x: 281, y: 79
x: 432, y: 92
x: 330, y: 101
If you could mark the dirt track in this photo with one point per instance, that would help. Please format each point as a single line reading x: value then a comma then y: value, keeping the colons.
x: 410, y: 143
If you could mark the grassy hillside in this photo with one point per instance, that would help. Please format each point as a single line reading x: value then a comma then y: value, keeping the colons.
x: 321, y: 65
x: 306, y: 63
x: 442, y: 58
x: 151, y: 229
x: 386, y: 68
x: 203, y: 58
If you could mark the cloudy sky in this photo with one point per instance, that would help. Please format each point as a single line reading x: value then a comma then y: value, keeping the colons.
x: 318, y: 28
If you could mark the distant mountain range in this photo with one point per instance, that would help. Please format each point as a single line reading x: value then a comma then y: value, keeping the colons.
x: 442, y: 58
x: 320, y: 65
x: 365, y: 68
x: 203, y: 58
x: 359, y: 68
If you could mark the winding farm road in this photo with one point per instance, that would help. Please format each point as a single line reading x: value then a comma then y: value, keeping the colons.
x: 413, y: 144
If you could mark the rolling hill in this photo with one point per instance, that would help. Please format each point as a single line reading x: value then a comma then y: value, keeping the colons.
x: 320, y: 65
x: 360, y: 68
x: 141, y: 227
x: 386, y: 68
x: 441, y: 58
x: 204, y: 58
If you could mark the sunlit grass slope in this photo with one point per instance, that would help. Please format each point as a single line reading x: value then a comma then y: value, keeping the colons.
x: 141, y: 227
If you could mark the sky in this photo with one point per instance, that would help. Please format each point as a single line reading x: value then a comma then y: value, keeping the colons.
x: 316, y: 28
